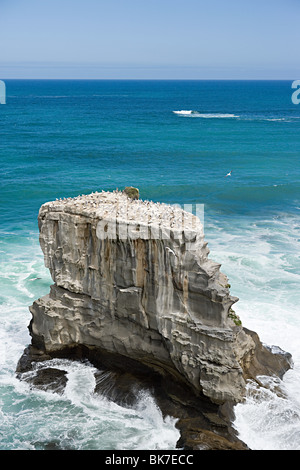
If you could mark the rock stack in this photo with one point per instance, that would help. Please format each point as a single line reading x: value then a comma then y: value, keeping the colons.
x: 134, y: 289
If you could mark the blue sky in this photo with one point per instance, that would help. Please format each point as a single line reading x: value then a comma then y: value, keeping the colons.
x: 192, y: 39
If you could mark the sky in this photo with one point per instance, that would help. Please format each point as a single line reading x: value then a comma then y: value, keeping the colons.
x: 150, y: 39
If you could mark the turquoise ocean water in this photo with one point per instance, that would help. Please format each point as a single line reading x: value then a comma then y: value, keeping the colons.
x: 175, y: 141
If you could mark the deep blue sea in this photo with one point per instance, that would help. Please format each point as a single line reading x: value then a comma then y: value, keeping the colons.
x: 176, y: 141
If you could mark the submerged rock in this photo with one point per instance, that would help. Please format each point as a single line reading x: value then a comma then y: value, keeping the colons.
x: 135, y: 292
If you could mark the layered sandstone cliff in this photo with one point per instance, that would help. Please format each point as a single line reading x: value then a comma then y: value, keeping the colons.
x: 133, y: 279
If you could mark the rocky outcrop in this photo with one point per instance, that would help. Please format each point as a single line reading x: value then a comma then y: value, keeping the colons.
x: 134, y: 287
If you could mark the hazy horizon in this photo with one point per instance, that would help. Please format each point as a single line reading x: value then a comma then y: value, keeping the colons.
x: 165, y: 39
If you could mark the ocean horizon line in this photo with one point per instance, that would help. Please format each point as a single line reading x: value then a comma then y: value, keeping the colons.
x: 155, y: 79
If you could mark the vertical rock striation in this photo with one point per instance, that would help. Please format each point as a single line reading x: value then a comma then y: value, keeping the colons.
x: 133, y: 279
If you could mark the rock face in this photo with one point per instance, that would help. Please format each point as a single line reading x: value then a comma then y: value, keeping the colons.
x: 133, y: 279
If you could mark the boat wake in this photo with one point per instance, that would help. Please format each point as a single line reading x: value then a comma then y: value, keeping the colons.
x: 191, y: 113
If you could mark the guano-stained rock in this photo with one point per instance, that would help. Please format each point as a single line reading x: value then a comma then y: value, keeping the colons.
x: 133, y: 280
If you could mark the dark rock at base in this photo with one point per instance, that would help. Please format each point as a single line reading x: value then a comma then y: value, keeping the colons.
x: 48, y: 379
x: 203, y: 425
x: 48, y: 445
x: 194, y: 437
x: 136, y: 294
x: 30, y: 355
x: 268, y: 360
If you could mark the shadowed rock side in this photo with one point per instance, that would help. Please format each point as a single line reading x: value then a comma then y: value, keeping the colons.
x: 134, y: 287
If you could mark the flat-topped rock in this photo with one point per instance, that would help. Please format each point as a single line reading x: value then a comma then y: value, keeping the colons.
x: 118, y: 208
x: 133, y: 281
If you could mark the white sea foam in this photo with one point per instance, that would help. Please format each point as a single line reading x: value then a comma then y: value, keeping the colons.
x: 268, y: 420
x: 205, y: 115
x: 216, y: 115
x: 245, y: 117
x: 262, y: 262
x: 79, y: 418
x: 275, y: 119
x: 94, y: 422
